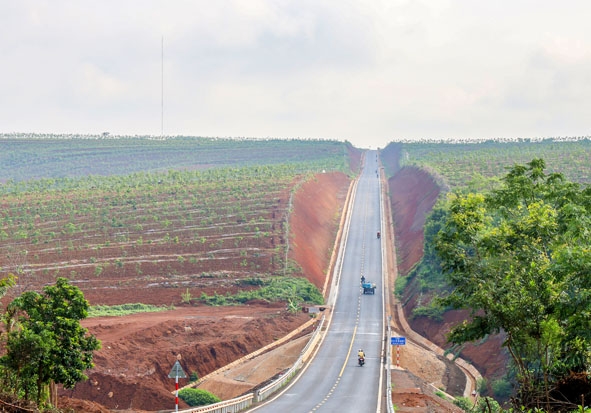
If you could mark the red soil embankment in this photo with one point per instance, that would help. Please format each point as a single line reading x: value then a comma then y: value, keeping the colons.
x: 413, y: 192
x: 317, y: 207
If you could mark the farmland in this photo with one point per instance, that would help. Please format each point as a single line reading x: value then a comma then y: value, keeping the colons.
x: 34, y: 156
x: 173, y: 229
x: 459, y: 163
x: 178, y: 224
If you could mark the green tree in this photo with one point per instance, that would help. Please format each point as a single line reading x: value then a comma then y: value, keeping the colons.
x: 6, y: 283
x: 519, y: 258
x: 46, y: 345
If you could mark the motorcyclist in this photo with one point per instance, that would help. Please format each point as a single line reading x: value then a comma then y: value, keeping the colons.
x: 361, y: 357
x: 362, y: 279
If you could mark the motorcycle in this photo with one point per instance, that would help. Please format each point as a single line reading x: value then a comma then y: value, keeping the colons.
x: 361, y: 361
x: 379, y: 235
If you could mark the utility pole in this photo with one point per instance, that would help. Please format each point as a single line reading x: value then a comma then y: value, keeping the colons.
x: 162, y: 91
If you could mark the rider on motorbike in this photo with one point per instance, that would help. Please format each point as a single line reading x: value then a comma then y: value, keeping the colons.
x: 361, y: 357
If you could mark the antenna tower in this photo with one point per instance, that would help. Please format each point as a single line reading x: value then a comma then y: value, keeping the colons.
x: 162, y: 92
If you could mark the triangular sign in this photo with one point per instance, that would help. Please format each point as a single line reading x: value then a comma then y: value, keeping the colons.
x: 177, y: 371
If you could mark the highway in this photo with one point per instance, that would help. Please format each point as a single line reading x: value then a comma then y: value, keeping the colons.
x: 333, y: 381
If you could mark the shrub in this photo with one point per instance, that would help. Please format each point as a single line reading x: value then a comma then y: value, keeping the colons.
x: 501, y: 388
x: 464, y: 403
x: 197, y: 397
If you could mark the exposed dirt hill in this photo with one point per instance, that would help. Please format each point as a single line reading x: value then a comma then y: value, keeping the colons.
x: 315, y: 212
x: 413, y: 193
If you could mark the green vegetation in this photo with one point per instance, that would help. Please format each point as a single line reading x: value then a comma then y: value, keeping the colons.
x: 441, y: 394
x: 47, y: 157
x: 124, y: 309
x: 478, y: 167
x: 45, y: 343
x: 198, y: 397
x: 92, y: 227
x: 518, y: 258
x: 294, y: 290
x: 485, y: 404
x: 460, y: 164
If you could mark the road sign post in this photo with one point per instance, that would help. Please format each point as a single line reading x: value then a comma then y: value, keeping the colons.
x: 176, y: 373
x: 398, y: 341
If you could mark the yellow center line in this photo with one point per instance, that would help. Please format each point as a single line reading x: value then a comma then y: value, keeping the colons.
x: 349, y: 352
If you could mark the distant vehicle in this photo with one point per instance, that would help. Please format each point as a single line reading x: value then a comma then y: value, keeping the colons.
x: 379, y: 235
x: 368, y: 288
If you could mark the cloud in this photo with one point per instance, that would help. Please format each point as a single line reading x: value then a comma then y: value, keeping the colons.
x: 368, y: 71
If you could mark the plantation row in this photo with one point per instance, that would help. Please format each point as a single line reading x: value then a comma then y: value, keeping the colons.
x: 460, y: 163
x: 25, y: 157
x: 119, y: 234
x: 203, y: 228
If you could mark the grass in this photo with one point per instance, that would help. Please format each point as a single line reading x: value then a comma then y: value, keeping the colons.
x: 124, y: 309
x: 290, y: 289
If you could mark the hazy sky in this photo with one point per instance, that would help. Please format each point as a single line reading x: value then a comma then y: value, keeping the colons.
x: 369, y: 71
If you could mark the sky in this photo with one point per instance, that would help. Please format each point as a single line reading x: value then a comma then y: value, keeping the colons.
x: 366, y: 71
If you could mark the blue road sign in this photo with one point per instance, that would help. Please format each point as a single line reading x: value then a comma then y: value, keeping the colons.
x: 398, y: 341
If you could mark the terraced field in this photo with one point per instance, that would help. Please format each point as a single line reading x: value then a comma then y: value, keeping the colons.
x: 178, y: 238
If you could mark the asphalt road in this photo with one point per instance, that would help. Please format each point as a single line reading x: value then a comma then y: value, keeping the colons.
x: 333, y: 381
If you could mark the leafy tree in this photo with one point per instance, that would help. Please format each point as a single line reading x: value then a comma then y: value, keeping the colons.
x: 6, y: 283
x: 198, y: 397
x: 519, y: 258
x: 46, y: 345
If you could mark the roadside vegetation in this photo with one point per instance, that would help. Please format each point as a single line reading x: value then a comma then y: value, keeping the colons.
x: 294, y: 291
x: 508, y: 242
x: 198, y: 397
x: 518, y: 258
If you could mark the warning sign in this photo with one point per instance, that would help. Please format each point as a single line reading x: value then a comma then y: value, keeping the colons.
x: 177, y: 371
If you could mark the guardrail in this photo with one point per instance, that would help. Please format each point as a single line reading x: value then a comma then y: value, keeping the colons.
x: 389, y: 404
x: 268, y: 390
x: 240, y: 403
